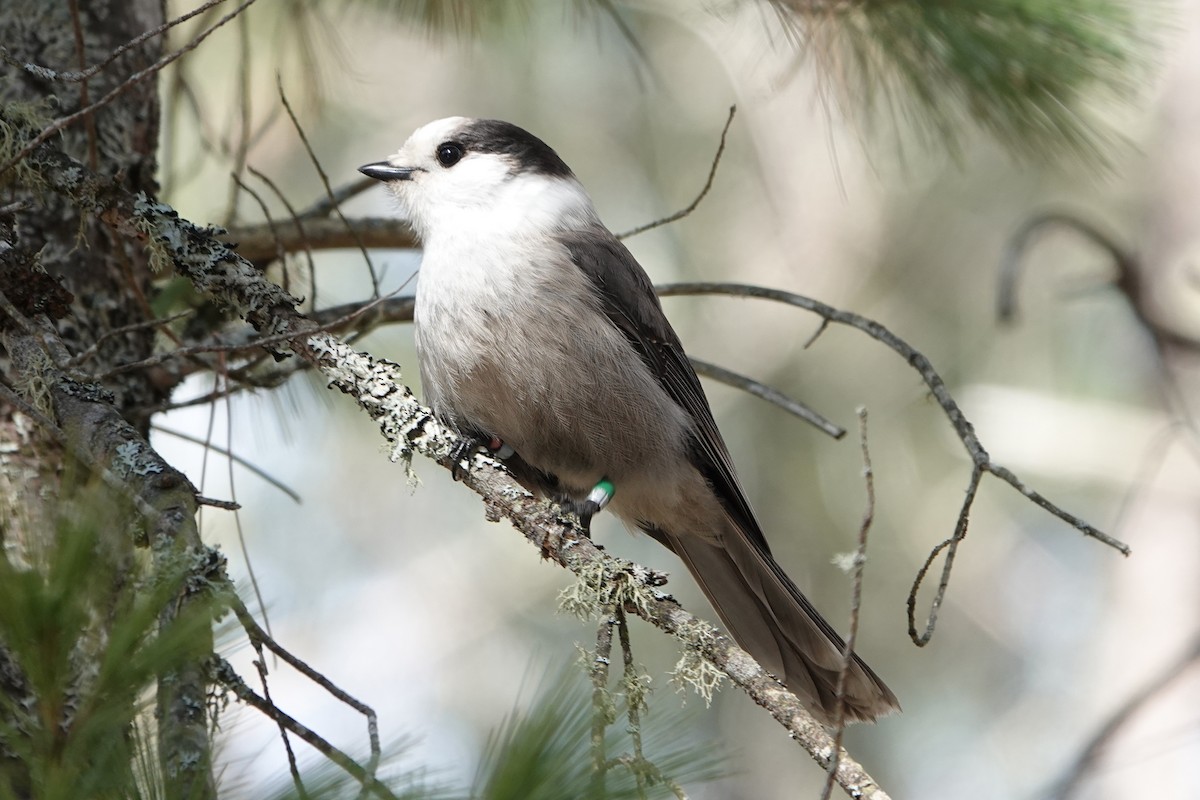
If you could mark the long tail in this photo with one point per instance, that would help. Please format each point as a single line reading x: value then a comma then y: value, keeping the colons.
x: 776, y: 624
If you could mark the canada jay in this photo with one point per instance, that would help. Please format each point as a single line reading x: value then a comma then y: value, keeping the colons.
x: 541, y: 337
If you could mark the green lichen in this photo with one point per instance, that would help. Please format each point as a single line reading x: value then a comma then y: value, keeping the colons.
x: 693, y: 670
x: 30, y: 381
x: 598, y: 587
x: 20, y: 123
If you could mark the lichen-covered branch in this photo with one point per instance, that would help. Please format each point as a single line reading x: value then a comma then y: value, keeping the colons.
x: 411, y: 429
x: 375, y: 384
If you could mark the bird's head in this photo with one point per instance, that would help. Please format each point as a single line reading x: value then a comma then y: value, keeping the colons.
x: 482, y: 173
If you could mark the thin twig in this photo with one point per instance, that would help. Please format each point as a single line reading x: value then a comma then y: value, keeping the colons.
x: 237, y: 522
x: 224, y: 673
x: 224, y: 505
x: 305, y: 244
x: 1130, y: 285
x: 84, y: 100
x: 325, y: 206
x: 963, y: 427
x: 260, y: 664
x: 94, y: 348
x: 280, y: 252
x: 951, y: 547
x: 259, y: 471
x: 712, y: 174
x: 256, y: 634
x: 1018, y: 243
x: 860, y: 563
x: 400, y: 310
x: 241, y: 145
x: 233, y: 349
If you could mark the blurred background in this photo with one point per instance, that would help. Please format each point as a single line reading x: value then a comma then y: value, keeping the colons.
x: 408, y: 599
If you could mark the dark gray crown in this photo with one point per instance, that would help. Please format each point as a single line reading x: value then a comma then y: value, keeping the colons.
x: 527, y: 152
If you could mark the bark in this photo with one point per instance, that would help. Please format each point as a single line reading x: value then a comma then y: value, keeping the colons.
x: 104, y: 282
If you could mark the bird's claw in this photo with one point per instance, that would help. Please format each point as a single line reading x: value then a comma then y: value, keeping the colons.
x: 584, y: 510
x: 600, y: 496
x: 467, y: 446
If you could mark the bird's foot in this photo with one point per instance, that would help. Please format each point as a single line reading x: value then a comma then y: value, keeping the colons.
x: 467, y: 446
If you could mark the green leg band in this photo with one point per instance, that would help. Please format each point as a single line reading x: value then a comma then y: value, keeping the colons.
x: 602, y: 493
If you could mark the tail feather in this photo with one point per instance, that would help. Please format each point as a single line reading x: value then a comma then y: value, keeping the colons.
x: 775, y: 623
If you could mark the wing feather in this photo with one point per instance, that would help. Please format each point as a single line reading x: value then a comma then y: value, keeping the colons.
x: 627, y: 298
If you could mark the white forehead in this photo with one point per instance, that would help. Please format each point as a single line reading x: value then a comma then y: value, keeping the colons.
x: 431, y: 134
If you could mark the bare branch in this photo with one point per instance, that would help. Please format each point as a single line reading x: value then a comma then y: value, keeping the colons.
x: 263, y: 639
x: 261, y: 243
x: 1128, y: 282
x: 306, y: 245
x: 257, y: 635
x: 91, y: 351
x: 259, y: 471
x: 1018, y: 243
x: 768, y: 393
x: 224, y: 505
x: 325, y: 206
x: 224, y: 673
x: 951, y: 547
x: 980, y: 459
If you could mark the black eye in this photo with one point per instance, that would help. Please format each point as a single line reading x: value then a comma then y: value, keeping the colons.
x: 449, y: 153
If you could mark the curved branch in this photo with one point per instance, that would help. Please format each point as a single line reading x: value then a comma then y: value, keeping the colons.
x: 224, y: 674
x: 1128, y: 282
x: 1018, y: 243
x: 768, y: 393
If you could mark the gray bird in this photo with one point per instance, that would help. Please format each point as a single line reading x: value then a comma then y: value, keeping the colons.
x: 539, y: 333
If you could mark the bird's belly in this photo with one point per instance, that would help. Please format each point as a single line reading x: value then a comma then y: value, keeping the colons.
x: 564, y: 389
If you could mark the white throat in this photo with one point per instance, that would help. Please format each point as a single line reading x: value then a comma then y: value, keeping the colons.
x: 520, y: 207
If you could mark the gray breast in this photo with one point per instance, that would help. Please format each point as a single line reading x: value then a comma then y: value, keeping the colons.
x: 535, y: 362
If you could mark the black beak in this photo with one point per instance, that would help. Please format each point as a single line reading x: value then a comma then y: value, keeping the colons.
x: 383, y: 171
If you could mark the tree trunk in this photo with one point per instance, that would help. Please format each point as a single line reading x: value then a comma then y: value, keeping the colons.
x: 109, y: 282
